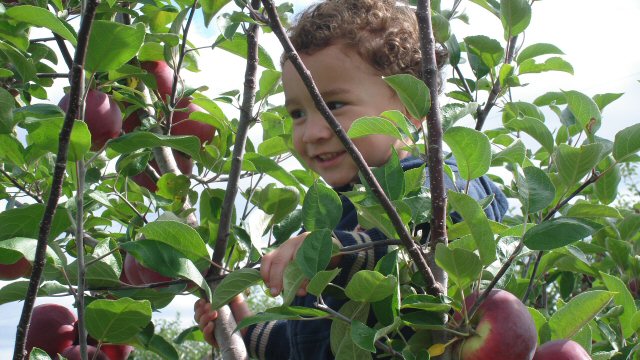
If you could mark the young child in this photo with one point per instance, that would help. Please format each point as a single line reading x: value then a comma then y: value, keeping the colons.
x: 348, y: 46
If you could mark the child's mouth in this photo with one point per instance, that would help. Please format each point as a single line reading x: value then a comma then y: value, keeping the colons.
x: 329, y: 158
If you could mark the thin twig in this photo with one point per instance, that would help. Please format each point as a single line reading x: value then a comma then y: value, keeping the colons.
x: 77, y: 74
x: 63, y: 50
x: 79, y: 235
x: 20, y: 187
x: 368, y: 245
x: 52, y: 75
x: 414, y: 251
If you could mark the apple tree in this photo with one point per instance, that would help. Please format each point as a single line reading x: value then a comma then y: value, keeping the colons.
x: 136, y: 187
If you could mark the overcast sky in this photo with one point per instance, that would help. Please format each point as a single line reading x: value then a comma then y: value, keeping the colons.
x: 598, y: 37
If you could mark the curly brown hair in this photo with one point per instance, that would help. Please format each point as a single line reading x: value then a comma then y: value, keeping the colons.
x: 383, y: 34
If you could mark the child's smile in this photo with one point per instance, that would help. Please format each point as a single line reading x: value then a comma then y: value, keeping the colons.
x: 352, y: 89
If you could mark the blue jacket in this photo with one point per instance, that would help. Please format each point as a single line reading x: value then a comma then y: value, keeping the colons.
x: 309, y: 340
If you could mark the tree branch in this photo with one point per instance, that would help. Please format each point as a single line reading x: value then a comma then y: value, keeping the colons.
x: 414, y: 251
x: 20, y: 187
x: 77, y: 74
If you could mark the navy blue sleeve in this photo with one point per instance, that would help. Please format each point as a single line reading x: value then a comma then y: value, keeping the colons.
x: 268, y: 340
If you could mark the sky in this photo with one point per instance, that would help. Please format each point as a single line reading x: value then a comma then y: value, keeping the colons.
x: 599, y: 39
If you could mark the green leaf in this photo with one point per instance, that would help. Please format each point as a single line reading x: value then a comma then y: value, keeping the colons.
x: 233, y: 284
x: 11, y: 150
x: 536, y: 129
x: 38, y: 354
x: 7, y: 104
x: 272, y: 168
x: 461, y: 265
x: 25, y: 222
x: 166, y: 260
x: 238, y: 46
x: 478, y: 224
x: 472, y: 151
x: 441, y: 27
x: 572, y: 317
x: 292, y: 279
x: 535, y: 189
x: 530, y: 66
x: 622, y: 298
x: 514, y: 153
x: 319, y: 282
x: 429, y: 302
x: 137, y: 140
x: 315, y: 252
x: 179, y: 236
x: 390, y: 177
x: 370, y: 286
x: 627, y: 142
x: 574, y: 163
x: 453, y: 112
x: 17, y: 290
x: 607, y: 185
x: 117, y: 321
x: 43, y: 137
x: 210, y: 8
x: 23, y: 66
x: 363, y: 336
x: 281, y: 313
x: 41, y: 17
x: 372, y: 125
x: 556, y: 233
x: 108, y: 35
x: 277, y: 201
x: 585, y: 110
x: 342, y: 344
x: 536, y: 50
x: 515, y: 16
x: 586, y: 210
x: 321, y: 208
x: 413, y: 93
x: 488, y: 50
x: 602, y: 100
x: 273, y: 146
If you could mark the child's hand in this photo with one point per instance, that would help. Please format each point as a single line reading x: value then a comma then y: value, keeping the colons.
x: 274, y: 263
x: 205, y: 316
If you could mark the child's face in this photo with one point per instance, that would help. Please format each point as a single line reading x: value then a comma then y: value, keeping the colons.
x: 352, y: 89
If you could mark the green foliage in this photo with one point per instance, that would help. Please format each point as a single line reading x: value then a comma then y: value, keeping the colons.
x: 573, y: 194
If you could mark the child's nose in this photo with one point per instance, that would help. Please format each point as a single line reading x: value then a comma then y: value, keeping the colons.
x: 316, y: 129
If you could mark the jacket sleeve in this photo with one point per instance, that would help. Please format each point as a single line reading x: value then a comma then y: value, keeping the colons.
x: 362, y: 260
x: 268, y: 340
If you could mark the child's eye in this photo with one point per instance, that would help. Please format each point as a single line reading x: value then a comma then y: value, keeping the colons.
x: 335, y: 105
x: 296, y: 114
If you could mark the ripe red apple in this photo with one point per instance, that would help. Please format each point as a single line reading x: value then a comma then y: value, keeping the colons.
x: 116, y: 351
x: 51, y: 329
x: 561, y: 350
x: 102, y: 115
x: 180, y: 125
x: 73, y: 353
x: 163, y: 74
x: 140, y: 275
x: 18, y: 269
x: 503, y: 329
x: 185, y: 165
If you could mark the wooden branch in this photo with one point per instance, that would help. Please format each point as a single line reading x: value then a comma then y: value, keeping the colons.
x: 495, y: 89
x: 63, y: 50
x: 77, y: 74
x: 414, y: 251
x: 225, y: 323
x: 20, y: 187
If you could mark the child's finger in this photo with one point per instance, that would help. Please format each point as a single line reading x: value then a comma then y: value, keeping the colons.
x: 208, y: 334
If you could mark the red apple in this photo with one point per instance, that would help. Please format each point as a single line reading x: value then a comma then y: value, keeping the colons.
x: 140, y: 275
x: 561, y: 350
x: 132, y: 121
x: 51, y: 329
x: 116, y: 351
x: 102, y: 115
x: 163, y: 74
x: 73, y: 353
x: 502, y: 329
x: 185, y: 165
x: 180, y: 125
x: 18, y: 269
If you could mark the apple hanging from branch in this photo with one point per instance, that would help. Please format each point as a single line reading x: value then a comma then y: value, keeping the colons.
x: 102, y: 115
x: 18, y: 269
x: 51, y: 329
x: 185, y: 165
x: 502, y: 328
x: 561, y: 350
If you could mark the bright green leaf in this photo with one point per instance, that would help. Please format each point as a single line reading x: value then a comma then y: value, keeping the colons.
x: 585, y: 110
x: 370, y: 286
x: 478, y: 224
x: 117, y: 321
x: 471, y: 149
x: 143, y: 139
x: 108, y: 35
x: 556, y: 233
x: 210, y: 8
x: 315, y: 252
x: 586, y: 210
x: 461, y: 265
x: 622, y: 298
x: 366, y: 126
x: 515, y: 16
x: 179, y: 236
x: 413, y: 93
x: 320, y: 281
x: 572, y: 317
x: 233, y: 284
x: 574, y: 163
x: 536, y: 50
x: 321, y: 208
x: 41, y: 17
x: 627, y: 142
x: 535, y: 189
